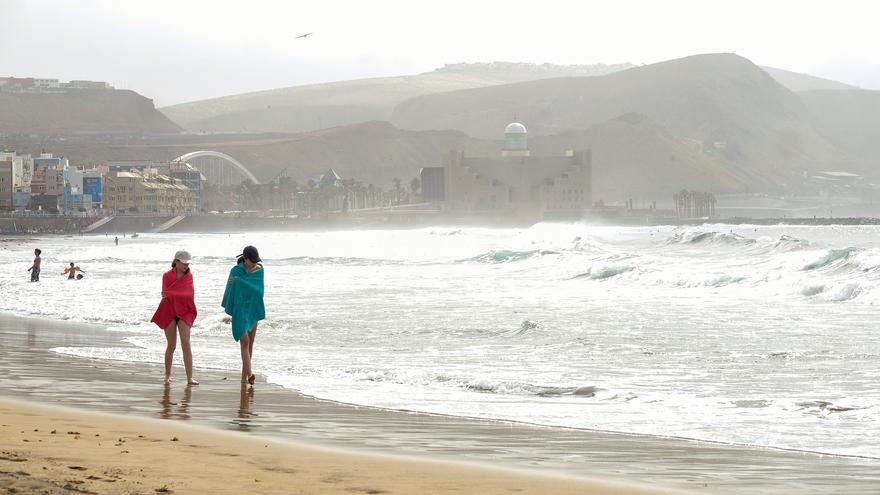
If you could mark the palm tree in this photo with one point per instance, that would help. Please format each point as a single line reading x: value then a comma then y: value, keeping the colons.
x: 287, y: 187
x: 415, y: 185
x: 397, y: 191
x: 371, y: 196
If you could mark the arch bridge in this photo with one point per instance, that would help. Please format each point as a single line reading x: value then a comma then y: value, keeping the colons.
x: 216, y: 167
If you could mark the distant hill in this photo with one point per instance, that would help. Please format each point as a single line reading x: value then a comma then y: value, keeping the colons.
x: 81, y: 111
x: 319, y: 106
x: 796, y: 81
x: 851, y: 120
x: 634, y: 158
x: 722, y: 101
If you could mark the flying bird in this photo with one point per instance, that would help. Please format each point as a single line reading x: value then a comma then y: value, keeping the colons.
x: 303, y: 35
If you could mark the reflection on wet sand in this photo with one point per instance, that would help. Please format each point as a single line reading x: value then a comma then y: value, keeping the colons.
x: 182, y: 411
x: 31, y: 333
x: 245, y: 404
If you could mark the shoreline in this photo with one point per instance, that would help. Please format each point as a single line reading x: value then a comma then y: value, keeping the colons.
x: 405, y: 220
x: 132, y: 389
x: 56, y: 450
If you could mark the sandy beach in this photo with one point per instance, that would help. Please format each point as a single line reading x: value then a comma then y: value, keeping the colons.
x: 331, y: 447
x: 49, y: 449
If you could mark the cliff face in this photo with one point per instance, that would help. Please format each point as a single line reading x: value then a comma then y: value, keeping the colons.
x: 80, y: 112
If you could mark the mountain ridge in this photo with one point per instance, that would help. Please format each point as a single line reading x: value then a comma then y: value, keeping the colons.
x: 316, y: 106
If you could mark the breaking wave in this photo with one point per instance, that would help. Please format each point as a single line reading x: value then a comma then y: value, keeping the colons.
x: 519, y: 388
x: 508, y: 256
x: 832, y: 258
x: 719, y: 238
x: 787, y: 243
x: 604, y: 272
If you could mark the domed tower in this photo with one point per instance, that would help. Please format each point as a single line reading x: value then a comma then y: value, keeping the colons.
x: 516, y: 142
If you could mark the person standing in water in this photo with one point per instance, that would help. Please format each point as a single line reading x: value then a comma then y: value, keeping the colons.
x: 177, y: 313
x: 71, y: 271
x: 243, y: 302
x: 35, y: 268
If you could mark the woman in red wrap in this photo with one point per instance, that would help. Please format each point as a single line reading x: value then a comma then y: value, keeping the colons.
x: 177, y: 312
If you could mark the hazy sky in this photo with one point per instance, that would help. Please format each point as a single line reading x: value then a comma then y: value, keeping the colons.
x: 182, y: 50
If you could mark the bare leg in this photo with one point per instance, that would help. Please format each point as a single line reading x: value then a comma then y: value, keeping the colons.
x: 171, y: 338
x: 184, y: 330
x: 253, y: 336
x: 245, y: 357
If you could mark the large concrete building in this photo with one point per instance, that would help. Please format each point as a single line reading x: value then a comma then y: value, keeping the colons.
x: 15, y: 177
x: 191, y: 178
x: 6, y: 188
x: 514, y: 180
x: 133, y: 192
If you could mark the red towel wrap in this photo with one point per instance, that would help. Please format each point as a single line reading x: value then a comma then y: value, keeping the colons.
x: 179, y: 300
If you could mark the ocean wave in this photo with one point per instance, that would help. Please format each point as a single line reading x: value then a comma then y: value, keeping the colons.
x: 603, y: 272
x: 711, y: 237
x: 844, y: 292
x: 812, y: 290
x: 781, y: 355
x: 587, y: 244
x: 831, y: 258
x: 445, y: 232
x: 523, y: 328
x: 722, y: 281
x: 719, y: 281
x: 518, y: 388
x: 823, y: 407
x: 853, y: 262
x: 787, y: 243
x: 507, y: 256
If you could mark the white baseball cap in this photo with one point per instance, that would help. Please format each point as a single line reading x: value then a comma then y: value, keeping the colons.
x: 183, y: 256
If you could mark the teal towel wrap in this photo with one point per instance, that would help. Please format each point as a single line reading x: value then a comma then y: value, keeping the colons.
x: 243, y: 299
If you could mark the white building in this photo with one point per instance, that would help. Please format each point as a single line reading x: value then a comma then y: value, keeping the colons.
x: 22, y: 167
x: 46, y: 83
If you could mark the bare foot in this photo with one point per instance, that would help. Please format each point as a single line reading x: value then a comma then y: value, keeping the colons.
x: 252, y: 379
x: 192, y: 381
x: 167, y: 379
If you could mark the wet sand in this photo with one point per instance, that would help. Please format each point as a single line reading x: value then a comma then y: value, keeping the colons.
x: 31, y: 372
x: 49, y: 449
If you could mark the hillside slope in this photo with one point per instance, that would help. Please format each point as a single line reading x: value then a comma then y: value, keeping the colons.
x: 796, y: 81
x: 851, y: 120
x: 720, y: 100
x: 81, y: 111
x: 635, y: 158
x: 319, y: 106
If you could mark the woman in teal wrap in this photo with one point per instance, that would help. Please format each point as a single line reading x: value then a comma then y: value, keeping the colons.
x: 243, y: 301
